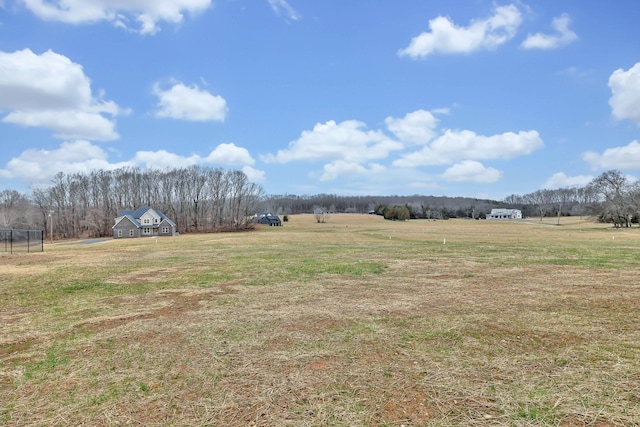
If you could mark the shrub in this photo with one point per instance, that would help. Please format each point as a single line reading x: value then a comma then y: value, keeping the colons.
x: 397, y: 213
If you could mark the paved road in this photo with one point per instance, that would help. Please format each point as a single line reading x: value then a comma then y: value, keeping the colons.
x: 89, y: 241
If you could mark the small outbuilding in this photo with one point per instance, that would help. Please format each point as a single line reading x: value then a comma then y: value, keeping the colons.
x: 143, y: 222
x: 268, y: 219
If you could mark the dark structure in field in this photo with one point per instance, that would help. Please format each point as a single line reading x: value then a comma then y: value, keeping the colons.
x: 268, y: 219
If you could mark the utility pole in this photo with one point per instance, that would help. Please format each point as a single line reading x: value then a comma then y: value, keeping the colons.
x: 51, y: 224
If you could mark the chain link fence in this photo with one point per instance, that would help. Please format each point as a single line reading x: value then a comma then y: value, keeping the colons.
x: 21, y: 241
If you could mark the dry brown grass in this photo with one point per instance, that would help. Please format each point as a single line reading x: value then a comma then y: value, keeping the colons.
x: 355, y: 322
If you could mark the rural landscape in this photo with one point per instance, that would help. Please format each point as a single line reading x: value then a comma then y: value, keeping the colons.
x: 287, y: 213
x: 354, y: 321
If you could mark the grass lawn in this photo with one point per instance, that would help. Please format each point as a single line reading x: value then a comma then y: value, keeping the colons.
x: 355, y: 322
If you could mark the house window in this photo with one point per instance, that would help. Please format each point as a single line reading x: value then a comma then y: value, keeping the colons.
x: 119, y: 233
x: 146, y: 230
x: 131, y: 233
x: 165, y: 230
x: 146, y: 221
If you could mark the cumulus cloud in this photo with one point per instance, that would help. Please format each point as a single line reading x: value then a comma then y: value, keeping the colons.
x: 562, y: 37
x: 625, y: 157
x: 253, y: 174
x: 224, y: 154
x: 348, y: 141
x: 66, y: 124
x: 625, y: 89
x: 346, y: 148
x: 418, y: 127
x: 281, y: 7
x: 147, y: 13
x: 472, y: 171
x: 230, y: 154
x: 40, y: 166
x: 447, y: 38
x: 163, y: 159
x: 350, y: 149
x: 456, y: 145
x: 51, y: 91
x: 189, y: 103
x: 339, y: 168
x: 561, y: 180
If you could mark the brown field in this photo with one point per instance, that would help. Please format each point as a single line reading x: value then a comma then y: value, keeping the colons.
x: 355, y: 322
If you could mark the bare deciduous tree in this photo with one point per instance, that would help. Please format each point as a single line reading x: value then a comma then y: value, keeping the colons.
x: 615, y: 204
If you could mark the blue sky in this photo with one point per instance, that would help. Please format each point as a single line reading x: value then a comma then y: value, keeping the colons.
x: 444, y: 97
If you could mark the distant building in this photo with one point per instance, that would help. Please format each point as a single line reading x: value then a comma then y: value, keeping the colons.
x: 505, y: 214
x: 143, y: 222
x: 268, y: 219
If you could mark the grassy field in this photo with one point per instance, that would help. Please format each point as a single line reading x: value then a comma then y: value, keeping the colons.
x: 355, y: 322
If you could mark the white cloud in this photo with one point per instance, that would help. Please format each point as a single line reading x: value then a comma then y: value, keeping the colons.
x: 253, y: 174
x: 561, y: 180
x: 224, y: 154
x: 51, y: 91
x: 472, y: 171
x: 562, y: 37
x: 447, y: 38
x: 625, y: 89
x: 190, y: 103
x: 281, y: 7
x: 339, y: 168
x: 229, y: 154
x: 349, y: 149
x: 625, y: 157
x: 163, y: 159
x: 40, y: 166
x: 346, y: 148
x: 458, y: 145
x: 148, y: 13
x: 416, y: 127
x: 66, y: 124
x: 348, y: 141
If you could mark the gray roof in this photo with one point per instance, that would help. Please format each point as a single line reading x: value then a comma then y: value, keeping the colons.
x: 268, y: 218
x: 135, y: 215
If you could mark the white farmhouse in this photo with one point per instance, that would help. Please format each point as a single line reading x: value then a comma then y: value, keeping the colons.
x: 505, y: 214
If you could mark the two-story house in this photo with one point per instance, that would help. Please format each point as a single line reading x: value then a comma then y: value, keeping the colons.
x: 143, y: 222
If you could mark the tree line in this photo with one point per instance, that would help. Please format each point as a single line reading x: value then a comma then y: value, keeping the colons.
x: 419, y: 206
x: 611, y: 197
x: 197, y: 199
x: 203, y: 199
